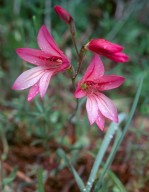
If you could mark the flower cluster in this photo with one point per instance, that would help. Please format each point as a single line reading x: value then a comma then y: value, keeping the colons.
x: 50, y: 60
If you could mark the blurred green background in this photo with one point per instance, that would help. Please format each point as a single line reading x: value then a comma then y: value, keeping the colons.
x: 42, y: 122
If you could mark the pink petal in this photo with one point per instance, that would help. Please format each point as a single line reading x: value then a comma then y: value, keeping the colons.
x: 79, y: 92
x: 94, y: 70
x: 117, y: 57
x: 107, y: 107
x: 102, y: 45
x: 109, y: 82
x: 28, y: 78
x: 37, y: 57
x: 92, y: 109
x: 44, y: 82
x: 65, y: 63
x: 34, y: 90
x: 100, y: 121
x: 47, y: 43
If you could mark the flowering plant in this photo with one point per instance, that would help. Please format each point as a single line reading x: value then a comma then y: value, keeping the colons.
x: 49, y: 61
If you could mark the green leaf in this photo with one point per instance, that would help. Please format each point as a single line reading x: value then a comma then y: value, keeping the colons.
x: 78, y: 179
x: 11, y: 177
x: 117, y: 182
x: 107, y: 139
x: 40, y: 180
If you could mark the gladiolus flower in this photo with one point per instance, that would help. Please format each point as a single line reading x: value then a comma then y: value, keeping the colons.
x: 94, y: 81
x: 107, y: 49
x: 49, y: 60
x: 63, y: 14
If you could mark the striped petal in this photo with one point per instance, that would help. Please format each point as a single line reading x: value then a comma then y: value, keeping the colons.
x: 100, y: 121
x: 92, y: 109
x: 38, y: 57
x: 47, y: 43
x: 28, y: 78
x: 44, y: 82
x: 94, y: 70
x: 109, y: 82
x: 34, y: 90
x: 107, y: 107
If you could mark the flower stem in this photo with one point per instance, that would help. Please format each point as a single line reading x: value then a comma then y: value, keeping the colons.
x: 81, y: 57
x: 75, y: 111
x: 75, y: 45
x: 73, y: 35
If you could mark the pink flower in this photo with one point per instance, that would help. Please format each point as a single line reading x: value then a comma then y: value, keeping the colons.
x: 107, y: 49
x: 49, y: 60
x: 63, y: 14
x: 98, y: 105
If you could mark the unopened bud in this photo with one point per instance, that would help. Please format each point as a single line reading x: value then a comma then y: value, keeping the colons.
x: 63, y: 14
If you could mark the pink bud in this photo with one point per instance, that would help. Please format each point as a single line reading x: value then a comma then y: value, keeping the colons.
x: 63, y: 14
x: 107, y: 49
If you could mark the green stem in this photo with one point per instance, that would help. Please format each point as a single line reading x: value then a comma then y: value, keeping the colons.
x: 75, y: 45
x: 81, y: 57
x: 76, y: 109
x: 73, y: 35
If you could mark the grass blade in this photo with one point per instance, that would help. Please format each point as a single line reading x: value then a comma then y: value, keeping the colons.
x: 78, y: 179
x: 107, y: 139
x: 40, y: 180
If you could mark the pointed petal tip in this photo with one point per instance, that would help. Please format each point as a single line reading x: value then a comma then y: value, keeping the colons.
x: 101, y: 128
x: 43, y: 27
x: 42, y: 95
x: 100, y: 125
x: 122, y: 79
x: 29, y: 99
x: 15, y: 86
x: 116, y: 119
x: 19, y: 51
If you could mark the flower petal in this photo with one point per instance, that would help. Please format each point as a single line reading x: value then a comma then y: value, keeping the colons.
x: 100, y: 121
x: 92, y: 109
x: 110, y: 82
x: 117, y: 57
x: 47, y: 43
x: 28, y: 78
x: 34, y: 90
x: 44, y: 82
x: 65, y: 63
x: 94, y: 70
x: 79, y: 92
x: 102, y: 45
x: 107, y: 107
x: 38, y: 57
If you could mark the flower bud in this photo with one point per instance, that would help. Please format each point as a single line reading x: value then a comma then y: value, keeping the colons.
x: 107, y: 49
x: 63, y: 14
